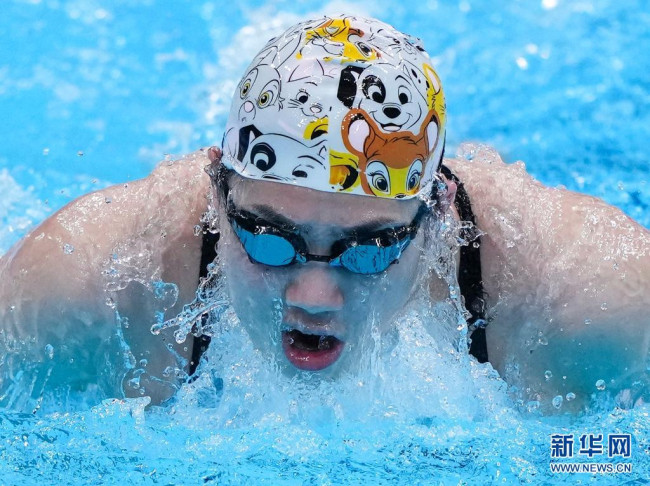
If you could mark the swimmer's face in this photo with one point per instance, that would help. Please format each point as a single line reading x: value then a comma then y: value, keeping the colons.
x: 313, y: 316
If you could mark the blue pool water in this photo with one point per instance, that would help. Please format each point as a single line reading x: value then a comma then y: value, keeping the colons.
x: 94, y: 93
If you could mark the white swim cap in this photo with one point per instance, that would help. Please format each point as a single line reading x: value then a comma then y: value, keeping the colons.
x: 341, y: 104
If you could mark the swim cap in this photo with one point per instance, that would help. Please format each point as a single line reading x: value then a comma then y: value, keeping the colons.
x: 339, y: 104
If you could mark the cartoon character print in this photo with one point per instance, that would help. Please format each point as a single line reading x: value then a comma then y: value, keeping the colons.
x: 399, y: 45
x: 259, y: 90
x: 278, y: 157
x: 389, y: 99
x: 302, y: 88
x: 337, y: 39
x: 435, y: 96
x: 390, y: 94
x: 390, y: 165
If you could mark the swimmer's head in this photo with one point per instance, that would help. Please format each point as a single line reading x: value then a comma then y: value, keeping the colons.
x: 339, y: 104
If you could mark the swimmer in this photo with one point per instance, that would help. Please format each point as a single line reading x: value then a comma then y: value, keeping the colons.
x: 331, y: 169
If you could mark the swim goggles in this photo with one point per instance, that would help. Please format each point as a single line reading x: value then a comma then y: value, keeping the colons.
x: 278, y: 245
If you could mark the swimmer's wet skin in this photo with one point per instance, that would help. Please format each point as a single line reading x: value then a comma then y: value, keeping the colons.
x: 318, y: 232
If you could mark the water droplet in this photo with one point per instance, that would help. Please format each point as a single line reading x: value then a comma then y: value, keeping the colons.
x: 49, y: 351
x: 570, y: 396
x: 600, y: 384
x: 587, y: 322
x: 46, y: 151
x: 542, y: 340
x: 144, y: 363
x: 80, y: 153
x: 603, y: 306
x: 180, y: 336
x: 557, y: 401
x: 548, y: 375
x: 68, y: 249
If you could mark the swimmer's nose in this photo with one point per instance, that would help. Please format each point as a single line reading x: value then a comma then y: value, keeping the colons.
x: 314, y: 290
x: 391, y: 111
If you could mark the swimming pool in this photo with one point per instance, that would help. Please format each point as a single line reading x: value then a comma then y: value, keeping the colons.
x: 94, y: 93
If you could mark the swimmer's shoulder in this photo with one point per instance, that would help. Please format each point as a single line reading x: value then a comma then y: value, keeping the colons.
x: 535, y: 234
x: 64, y: 259
x: 552, y: 260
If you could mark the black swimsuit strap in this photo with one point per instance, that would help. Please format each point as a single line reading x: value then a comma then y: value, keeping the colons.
x: 208, y: 254
x: 470, y: 280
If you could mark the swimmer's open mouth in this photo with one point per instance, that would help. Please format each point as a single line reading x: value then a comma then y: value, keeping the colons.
x: 311, y: 352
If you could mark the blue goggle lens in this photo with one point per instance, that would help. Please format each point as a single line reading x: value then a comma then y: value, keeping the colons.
x: 371, y: 258
x: 268, y: 249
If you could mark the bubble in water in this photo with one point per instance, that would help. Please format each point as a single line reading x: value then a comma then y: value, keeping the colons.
x: 603, y: 306
x: 557, y: 401
x: 143, y: 363
x: 197, y: 230
x: 80, y: 153
x: 532, y: 406
x: 46, y: 151
x: 587, y: 322
x: 68, y: 249
x: 548, y: 375
x: 600, y: 384
x: 166, y: 293
x: 542, y: 340
x: 180, y: 336
x: 476, y: 244
x: 570, y: 396
x: 108, y: 200
x: 49, y: 351
x: 110, y: 302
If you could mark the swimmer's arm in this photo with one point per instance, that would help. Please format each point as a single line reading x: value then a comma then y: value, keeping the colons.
x: 568, y: 279
x: 56, y: 281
